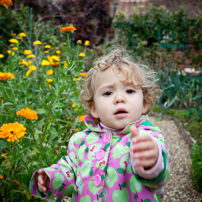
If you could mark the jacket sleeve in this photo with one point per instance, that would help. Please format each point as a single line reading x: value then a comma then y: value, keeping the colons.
x: 163, y: 173
x: 62, y: 175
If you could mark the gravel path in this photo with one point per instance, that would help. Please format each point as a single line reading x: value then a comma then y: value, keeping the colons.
x: 179, y: 188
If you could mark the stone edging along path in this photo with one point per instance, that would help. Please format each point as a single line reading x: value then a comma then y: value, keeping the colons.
x: 186, y: 134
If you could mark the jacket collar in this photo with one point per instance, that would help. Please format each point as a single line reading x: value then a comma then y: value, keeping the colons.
x: 95, y: 126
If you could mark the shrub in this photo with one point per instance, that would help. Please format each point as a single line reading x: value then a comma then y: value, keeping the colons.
x: 196, y: 165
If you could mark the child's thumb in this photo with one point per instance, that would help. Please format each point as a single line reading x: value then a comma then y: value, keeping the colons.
x: 134, y: 131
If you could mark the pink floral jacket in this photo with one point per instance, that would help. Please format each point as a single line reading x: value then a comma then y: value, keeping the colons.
x: 98, y: 167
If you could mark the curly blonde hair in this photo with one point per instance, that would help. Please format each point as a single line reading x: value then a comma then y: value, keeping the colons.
x: 139, y: 75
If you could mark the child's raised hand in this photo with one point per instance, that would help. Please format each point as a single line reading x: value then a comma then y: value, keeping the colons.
x: 144, y: 149
x: 43, y: 181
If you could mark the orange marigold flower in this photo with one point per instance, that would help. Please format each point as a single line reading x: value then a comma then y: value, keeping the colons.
x: 5, y: 76
x: 83, y: 74
x: 55, y: 64
x: 68, y: 29
x: 4, y: 2
x: 28, y: 113
x: 1, y: 177
x: 81, y: 118
x: 12, y: 131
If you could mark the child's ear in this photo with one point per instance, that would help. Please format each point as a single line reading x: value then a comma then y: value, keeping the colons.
x: 93, y: 111
x: 145, y: 108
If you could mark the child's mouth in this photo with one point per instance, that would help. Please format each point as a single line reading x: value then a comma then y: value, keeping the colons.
x: 120, y: 113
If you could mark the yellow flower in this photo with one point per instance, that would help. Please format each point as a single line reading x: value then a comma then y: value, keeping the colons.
x: 1, y: 100
x: 45, y: 62
x: 1, y: 56
x: 45, y: 51
x: 81, y: 118
x: 58, y: 52
x: 22, y: 34
x: 82, y: 54
x: 50, y: 59
x: 5, y: 76
x: 1, y: 177
x: 78, y: 79
x: 79, y: 42
x: 4, y: 2
x: 32, y: 67
x: 31, y: 56
x: 55, y: 64
x: 47, y: 46
x: 10, y: 53
x: 65, y: 64
x: 74, y: 105
x: 83, y: 74
x: 50, y: 72
x: 49, y: 80
x: 54, y: 57
x: 13, y: 34
x: 28, y: 113
x: 28, y: 73
x: 37, y: 42
x: 29, y: 62
x: 87, y: 43
x: 68, y: 29
x: 13, y: 41
x: 23, y: 62
x: 27, y: 52
x: 12, y: 131
x: 15, y: 48
x: 49, y: 86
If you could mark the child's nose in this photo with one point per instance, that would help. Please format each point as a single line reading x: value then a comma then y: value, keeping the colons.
x: 119, y: 98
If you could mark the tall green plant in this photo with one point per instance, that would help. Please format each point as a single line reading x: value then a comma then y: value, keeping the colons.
x: 50, y: 88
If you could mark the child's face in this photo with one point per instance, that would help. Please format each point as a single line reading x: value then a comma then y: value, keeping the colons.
x: 116, y: 103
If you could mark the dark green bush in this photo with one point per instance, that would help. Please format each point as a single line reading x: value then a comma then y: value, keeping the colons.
x: 196, y: 165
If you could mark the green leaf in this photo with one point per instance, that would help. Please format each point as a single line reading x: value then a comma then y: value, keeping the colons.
x: 91, y: 172
x: 82, y: 143
x: 119, y: 139
x: 40, y: 111
x: 128, y: 144
x: 2, y: 143
x: 106, y: 146
x: 106, y: 167
x: 123, y: 184
x: 120, y: 170
x: 58, y: 105
x: 61, y: 188
x: 61, y: 90
x: 87, y: 149
x: 49, y: 193
x: 75, y: 193
x: 90, y: 122
x: 100, y: 195
x: 135, y: 197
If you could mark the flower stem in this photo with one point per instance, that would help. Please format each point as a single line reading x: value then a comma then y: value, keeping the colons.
x: 7, y: 93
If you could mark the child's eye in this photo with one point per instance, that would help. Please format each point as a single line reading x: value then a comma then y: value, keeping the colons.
x: 130, y: 91
x: 108, y: 93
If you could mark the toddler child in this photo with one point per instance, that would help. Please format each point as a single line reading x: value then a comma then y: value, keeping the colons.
x: 120, y: 156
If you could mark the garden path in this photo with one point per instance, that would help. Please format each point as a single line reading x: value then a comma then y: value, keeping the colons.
x: 179, y: 188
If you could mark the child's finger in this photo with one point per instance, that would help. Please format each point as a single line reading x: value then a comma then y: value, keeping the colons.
x: 41, y: 188
x: 134, y: 131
